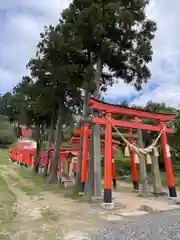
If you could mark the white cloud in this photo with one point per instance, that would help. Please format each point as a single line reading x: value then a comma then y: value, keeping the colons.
x: 120, y: 90
x: 8, y: 76
x: 22, y: 22
x: 165, y: 65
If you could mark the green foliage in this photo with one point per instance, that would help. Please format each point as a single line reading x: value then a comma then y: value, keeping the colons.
x: 117, y: 32
x: 71, y: 58
x: 68, y: 52
x: 122, y: 163
x: 173, y: 139
x: 7, y: 135
x: 7, y: 106
x: 6, y: 138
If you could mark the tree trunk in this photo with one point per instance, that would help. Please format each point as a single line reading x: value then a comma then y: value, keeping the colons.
x: 49, y: 147
x: 56, y: 153
x: 96, y: 139
x: 157, y: 185
x: 38, y: 149
x: 78, y: 185
x: 18, y: 131
x: 144, y: 191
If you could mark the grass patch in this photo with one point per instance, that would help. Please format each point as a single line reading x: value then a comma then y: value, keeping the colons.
x: 37, y: 181
x: 49, y: 213
x: 69, y: 193
x: 13, y: 179
x: 76, y: 195
x: 28, y: 175
x: 28, y: 190
x: 164, y: 179
x: 4, y: 156
x: 7, y: 211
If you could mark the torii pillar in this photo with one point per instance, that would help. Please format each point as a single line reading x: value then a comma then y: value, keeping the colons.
x: 167, y: 162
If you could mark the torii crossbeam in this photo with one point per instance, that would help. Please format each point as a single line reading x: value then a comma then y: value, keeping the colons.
x: 137, y: 115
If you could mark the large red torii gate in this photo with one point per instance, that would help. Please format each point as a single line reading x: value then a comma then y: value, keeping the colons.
x: 137, y: 115
x: 100, y: 106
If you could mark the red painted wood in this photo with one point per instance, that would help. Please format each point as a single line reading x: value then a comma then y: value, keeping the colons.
x: 167, y: 159
x: 80, y: 131
x: 108, y: 155
x: 133, y: 164
x: 129, y: 111
x: 77, y: 140
x: 125, y: 124
x: 85, y: 154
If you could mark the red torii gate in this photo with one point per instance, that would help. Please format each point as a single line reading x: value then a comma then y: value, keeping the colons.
x: 77, y: 140
x: 137, y: 114
x: 84, y: 169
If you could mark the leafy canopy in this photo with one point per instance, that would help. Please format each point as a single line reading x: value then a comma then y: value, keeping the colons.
x: 116, y: 31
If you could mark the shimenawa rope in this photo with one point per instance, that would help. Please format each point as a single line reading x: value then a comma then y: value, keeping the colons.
x: 133, y: 148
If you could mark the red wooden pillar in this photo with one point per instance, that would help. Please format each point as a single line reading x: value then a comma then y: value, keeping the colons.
x: 108, y: 162
x: 60, y: 167
x: 50, y: 161
x: 75, y: 159
x: 167, y: 161
x: 63, y: 162
x: 133, y: 166
x: 69, y: 165
x: 84, y: 157
x: 113, y: 173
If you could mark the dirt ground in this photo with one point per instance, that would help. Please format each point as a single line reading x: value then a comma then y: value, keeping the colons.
x: 42, y: 214
x: 31, y: 210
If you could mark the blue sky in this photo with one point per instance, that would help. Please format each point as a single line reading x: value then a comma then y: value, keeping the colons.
x: 22, y: 21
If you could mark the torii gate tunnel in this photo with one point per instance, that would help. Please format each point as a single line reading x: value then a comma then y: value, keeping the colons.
x: 136, y: 115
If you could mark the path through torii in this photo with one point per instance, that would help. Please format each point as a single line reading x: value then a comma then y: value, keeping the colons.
x: 137, y: 116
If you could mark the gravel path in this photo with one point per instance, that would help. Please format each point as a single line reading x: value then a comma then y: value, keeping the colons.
x: 165, y: 225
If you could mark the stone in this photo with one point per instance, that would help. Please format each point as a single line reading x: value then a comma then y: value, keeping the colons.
x: 133, y: 213
x: 146, y: 208
x: 177, y: 201
x: 107, y: 206
x: 96, y: 198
